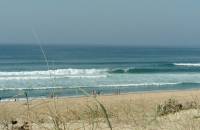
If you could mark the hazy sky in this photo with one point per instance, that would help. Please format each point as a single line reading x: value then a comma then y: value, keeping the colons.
x: 132, y: 22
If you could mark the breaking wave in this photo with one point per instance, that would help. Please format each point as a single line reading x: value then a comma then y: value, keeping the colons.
x: 188, y: 64
x: 59, y: 73
x: 94, y: 73
x: 56, y: 72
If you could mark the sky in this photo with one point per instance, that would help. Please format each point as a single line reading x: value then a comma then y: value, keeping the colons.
x: 109, y: 22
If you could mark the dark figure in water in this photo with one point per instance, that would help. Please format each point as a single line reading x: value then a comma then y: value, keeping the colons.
x: 94, y: 92
x: 98, y: 92
x: 118, y: 91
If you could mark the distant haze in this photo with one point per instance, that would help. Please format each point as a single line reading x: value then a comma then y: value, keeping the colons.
x: 109, y: 22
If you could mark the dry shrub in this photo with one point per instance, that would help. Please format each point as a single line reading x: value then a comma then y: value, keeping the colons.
x: 173, y: 106
x: 190, y: 105
x: 169, y: 106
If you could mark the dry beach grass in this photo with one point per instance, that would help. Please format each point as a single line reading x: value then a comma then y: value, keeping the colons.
x: 126, y: 111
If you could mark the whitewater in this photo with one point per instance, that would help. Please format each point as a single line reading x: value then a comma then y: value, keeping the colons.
x: 95, y: 68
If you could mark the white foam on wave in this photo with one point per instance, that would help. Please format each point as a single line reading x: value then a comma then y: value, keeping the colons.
x: 86, y: 76
x: 139, y: 84
x: 37, y: 88
x: 24, y: 78
x: 188, y: 64
x: 58, y: 73
x: 43, y: 88
x: 56, y: 77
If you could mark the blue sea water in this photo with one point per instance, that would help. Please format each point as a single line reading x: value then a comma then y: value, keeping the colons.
x: 106, y: 69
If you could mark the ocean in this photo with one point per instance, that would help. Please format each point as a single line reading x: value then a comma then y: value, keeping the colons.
x: 104, y: 69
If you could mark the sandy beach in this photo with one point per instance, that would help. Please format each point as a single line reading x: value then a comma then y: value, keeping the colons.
x: 125, y: 111
x: 99, y: 65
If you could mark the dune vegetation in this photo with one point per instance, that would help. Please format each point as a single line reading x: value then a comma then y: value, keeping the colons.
x: 142, y: 111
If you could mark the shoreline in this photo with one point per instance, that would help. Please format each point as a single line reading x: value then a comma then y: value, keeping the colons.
x: 157, y: 92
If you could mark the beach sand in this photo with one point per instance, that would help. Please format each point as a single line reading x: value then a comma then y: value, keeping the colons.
x: 125, y: 111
